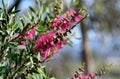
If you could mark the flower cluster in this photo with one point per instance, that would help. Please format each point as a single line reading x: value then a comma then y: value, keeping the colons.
x: 80, y: 73
x: 49, y: 43
x: 29, y: 35
x: 89, y: 76
x: 65, y: 21
x: 52, y: 41
x: 76, y: 16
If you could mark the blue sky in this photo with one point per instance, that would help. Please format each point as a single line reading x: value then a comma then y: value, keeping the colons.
x: 8, y: 2
x: 24, y: 4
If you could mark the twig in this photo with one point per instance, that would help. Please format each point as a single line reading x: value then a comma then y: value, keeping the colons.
x: 2, y: 56
x: 17, y: 70
x: 76, y: 24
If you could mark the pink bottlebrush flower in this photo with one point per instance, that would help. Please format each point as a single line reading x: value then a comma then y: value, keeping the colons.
x: 62, y: 22
x: 75, y: 15
x: 65, y: 22
x: 78, y: 18
x: 44, y: 40
x: 82, y: 77
x: 23, y: 43
x: 85, y: 77
x: 56, y: 22
x: 75, y: 78
x: 29, y: 35
x: 66, y: 25
x: 89, y: 76
x: 72, y: 12
x: 47, y: 44
x: 63, y: 16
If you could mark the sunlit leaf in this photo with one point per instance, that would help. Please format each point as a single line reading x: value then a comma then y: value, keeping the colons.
x: 14, y: 12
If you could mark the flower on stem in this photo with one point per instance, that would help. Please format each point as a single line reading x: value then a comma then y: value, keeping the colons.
x: 29, y: 35
x: 80, y: 73
x: 62, y: 23
x: 65, y: 21
x: 49, y: 43
x: 89, y: 76
x: 72, y: 12
x: 82, y: 77
x: 76, y: 16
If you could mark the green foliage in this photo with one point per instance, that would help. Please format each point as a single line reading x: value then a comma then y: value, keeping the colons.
x: 17, y: 60
x: 22, y: 61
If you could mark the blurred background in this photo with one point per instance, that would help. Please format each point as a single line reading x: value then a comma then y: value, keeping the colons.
x: 96, y: 41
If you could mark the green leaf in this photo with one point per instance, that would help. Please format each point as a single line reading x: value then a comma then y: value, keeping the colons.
x: 13, y: 45
x: 40, y: 29
x: 31, y: 9
x: 21, y: 19
x: 15, y: 26
x: 3, y: 3
x: 38, y: 56
x: 11, y: 21
x: 70, y: 44
x: 34, y: 71
x: 1, y: 68
x: 2, y: 32
x: 31, y: 60
x: 13, y: 55
x: 2, y: 19
x: 46, y: 7
x: 21, y: 47
x: 77, y: 3
x: 29, y: 15
x: 35, y: 59
x: 41, y: 72
x: 26, y: 28
x: 14, y: 12
x: 8, y: 31
x: 22, y: 69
